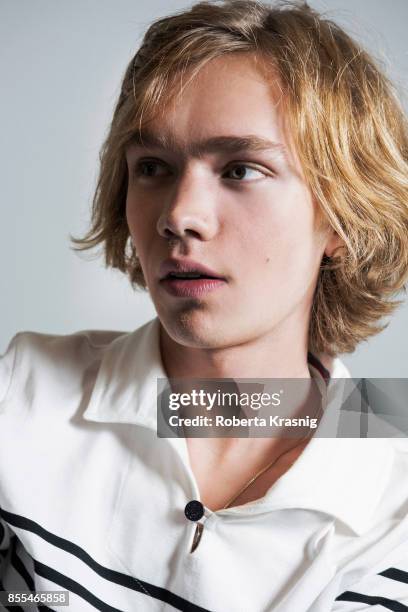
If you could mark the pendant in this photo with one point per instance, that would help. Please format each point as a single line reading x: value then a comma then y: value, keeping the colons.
x: 197, y: 536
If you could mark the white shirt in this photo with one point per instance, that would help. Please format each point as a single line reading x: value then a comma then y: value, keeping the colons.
x: 92, y: 501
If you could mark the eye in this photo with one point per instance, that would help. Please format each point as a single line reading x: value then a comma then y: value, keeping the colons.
x: 150, y: 168
x: 243, y: 172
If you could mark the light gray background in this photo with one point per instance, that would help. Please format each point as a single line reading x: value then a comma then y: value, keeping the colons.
x: 61, y: 64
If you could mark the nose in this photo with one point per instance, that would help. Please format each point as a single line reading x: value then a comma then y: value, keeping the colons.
x: 189, y: 210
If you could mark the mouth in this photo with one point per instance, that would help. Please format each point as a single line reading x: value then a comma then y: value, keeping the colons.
x: 190, y: 276
x: 182, y: 278
x: 186, y: 269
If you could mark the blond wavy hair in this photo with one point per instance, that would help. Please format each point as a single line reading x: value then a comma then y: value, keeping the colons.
x: 348, y: 130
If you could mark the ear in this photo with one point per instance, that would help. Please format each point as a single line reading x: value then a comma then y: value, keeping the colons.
x: 333, y: 243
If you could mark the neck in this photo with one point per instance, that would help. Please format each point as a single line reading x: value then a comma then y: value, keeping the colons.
x: 262, y: 357
x: 269, y: 356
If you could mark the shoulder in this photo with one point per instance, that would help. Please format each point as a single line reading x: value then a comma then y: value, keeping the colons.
x: 375, y: 566
x: 389, y: 494
x: 32, y: 358
x: 395, y: 497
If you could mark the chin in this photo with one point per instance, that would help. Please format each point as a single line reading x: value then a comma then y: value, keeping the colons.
x: 196, y: 328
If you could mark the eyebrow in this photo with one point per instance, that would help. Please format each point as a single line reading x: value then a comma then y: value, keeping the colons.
x: 216, y: 144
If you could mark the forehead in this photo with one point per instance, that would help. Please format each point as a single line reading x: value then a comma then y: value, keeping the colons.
x: 234, y: 94
x: 235, y: 103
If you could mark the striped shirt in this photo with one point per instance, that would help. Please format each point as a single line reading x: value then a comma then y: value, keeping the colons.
x: 92, y: 501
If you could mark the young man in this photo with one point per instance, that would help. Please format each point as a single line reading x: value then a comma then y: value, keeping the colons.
x: 255, y: 181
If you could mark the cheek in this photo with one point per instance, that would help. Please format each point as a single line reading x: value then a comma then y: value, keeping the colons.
x: 279, y: 238
x: 139, y: 225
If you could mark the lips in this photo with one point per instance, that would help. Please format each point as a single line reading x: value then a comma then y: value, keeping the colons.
x: 182, y: 278
x: 186, y: 269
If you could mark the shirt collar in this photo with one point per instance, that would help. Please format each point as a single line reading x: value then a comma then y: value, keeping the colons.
x: 343, y: 477
x: 125, y: 388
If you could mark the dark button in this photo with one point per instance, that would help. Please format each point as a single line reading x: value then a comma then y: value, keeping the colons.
x: 194, y: 510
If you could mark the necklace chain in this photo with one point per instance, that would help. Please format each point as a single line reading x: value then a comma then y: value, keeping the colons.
x: 267, y: 467
x: 200, y: 527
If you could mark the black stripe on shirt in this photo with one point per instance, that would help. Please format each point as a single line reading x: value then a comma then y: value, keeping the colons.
x: 19, y: 566
x: 71, y: 585
x: 373, y: 600
x: 108, y: 574
x: 395, y: 574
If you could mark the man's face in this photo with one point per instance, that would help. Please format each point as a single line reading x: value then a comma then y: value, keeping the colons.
x: 237, y: 207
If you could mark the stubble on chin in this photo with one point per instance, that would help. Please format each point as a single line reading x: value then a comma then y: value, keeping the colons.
x: 195, y: 327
